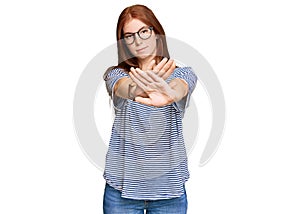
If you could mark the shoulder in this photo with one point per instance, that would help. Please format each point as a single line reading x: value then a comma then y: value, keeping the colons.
x: 184, y: 71
x: 187, y: 74
x: 114, y: 71
x: 185, y: 68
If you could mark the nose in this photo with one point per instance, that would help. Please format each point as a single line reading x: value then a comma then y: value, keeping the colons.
x: 137, y: 40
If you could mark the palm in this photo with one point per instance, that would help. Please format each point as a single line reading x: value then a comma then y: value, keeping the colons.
x: 158, y: 91
x: 155, y: 98
x: 152, y: 84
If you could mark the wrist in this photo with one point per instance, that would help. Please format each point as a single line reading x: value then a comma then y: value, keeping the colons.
x: 174, y: 97
x: 179, y: 89
x: 131, y: 90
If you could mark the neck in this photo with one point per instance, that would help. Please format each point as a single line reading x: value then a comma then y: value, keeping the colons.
x: 143, y: 63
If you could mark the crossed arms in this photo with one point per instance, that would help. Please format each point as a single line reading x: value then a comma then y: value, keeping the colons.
x: 149, y: 86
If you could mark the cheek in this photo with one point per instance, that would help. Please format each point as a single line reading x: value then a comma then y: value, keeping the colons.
x: 152, y: 43
x: 130, y: 48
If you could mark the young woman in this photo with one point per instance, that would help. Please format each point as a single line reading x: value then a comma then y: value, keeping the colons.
x: 146, y: 163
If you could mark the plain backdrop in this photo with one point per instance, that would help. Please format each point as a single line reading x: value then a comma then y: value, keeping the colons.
x: 253, y: 47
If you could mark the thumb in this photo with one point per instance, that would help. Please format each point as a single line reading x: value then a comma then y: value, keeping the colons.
x: 142, y: 100
x: 172, y: 84
x: 151, y: 65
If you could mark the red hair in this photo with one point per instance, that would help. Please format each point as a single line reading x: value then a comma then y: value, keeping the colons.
x: 144, y: 14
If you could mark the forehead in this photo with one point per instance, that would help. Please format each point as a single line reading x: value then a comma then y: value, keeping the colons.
x: 133, y: 25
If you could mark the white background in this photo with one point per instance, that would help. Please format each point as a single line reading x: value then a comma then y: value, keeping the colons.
x: 254, y: 49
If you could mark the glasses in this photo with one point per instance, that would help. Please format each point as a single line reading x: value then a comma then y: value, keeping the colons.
x: 144, y: 33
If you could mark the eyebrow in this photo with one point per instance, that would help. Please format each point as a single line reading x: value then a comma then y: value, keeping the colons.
x: 136, y: 31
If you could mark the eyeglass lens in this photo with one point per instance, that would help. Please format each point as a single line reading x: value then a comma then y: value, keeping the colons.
x: 143, y: 33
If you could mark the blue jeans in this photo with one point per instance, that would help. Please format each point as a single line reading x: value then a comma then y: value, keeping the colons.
x: 113, y: 203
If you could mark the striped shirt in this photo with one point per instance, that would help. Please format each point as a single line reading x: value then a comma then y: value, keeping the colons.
x: 146, y: 158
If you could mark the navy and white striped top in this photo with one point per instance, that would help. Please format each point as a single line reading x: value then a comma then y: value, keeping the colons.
x: 146, y: 158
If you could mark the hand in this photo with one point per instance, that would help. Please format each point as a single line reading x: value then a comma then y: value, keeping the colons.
x: 159, y: 92
x: 163, y: 69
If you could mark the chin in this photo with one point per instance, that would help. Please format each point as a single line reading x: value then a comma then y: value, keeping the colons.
x: 144, y: 56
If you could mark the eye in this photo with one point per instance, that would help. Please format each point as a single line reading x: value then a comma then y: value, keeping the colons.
x: 144, y: 31
x: 128, y: 36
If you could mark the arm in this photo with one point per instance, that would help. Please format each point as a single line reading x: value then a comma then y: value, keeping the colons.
x: 128, y: 89
x: 159, y: 92
x: 180, y: 87
x: 122, y: 86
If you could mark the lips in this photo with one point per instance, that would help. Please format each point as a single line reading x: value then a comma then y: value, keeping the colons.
x: 141, y: 49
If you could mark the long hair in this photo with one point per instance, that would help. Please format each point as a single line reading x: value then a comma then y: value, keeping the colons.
x: 144, y: 14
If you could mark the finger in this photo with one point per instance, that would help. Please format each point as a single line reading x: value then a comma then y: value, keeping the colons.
x: 172, y: 84
x: 142, y: 100
x: 146, y: 78
x: 138, y: 74
x: 160, y: 65
x: 169, y: 71
x: 137, y: 81
x: 166, y: 68
x: 155, y: 77
x: 151, y: 65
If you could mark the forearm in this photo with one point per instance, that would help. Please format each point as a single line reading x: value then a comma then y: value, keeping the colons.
x: 127, y: 89
x: 121, y: 87
x: 180, y: 87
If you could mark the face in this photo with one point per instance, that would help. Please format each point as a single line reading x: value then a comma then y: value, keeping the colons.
x: 140, y: 48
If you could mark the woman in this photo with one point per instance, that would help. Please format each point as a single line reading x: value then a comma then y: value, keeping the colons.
x: 146, y: 163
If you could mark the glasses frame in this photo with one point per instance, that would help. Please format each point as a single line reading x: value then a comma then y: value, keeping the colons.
x: 138, y: 33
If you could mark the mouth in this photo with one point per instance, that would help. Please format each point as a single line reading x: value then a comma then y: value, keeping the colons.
x: 141, y: 49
